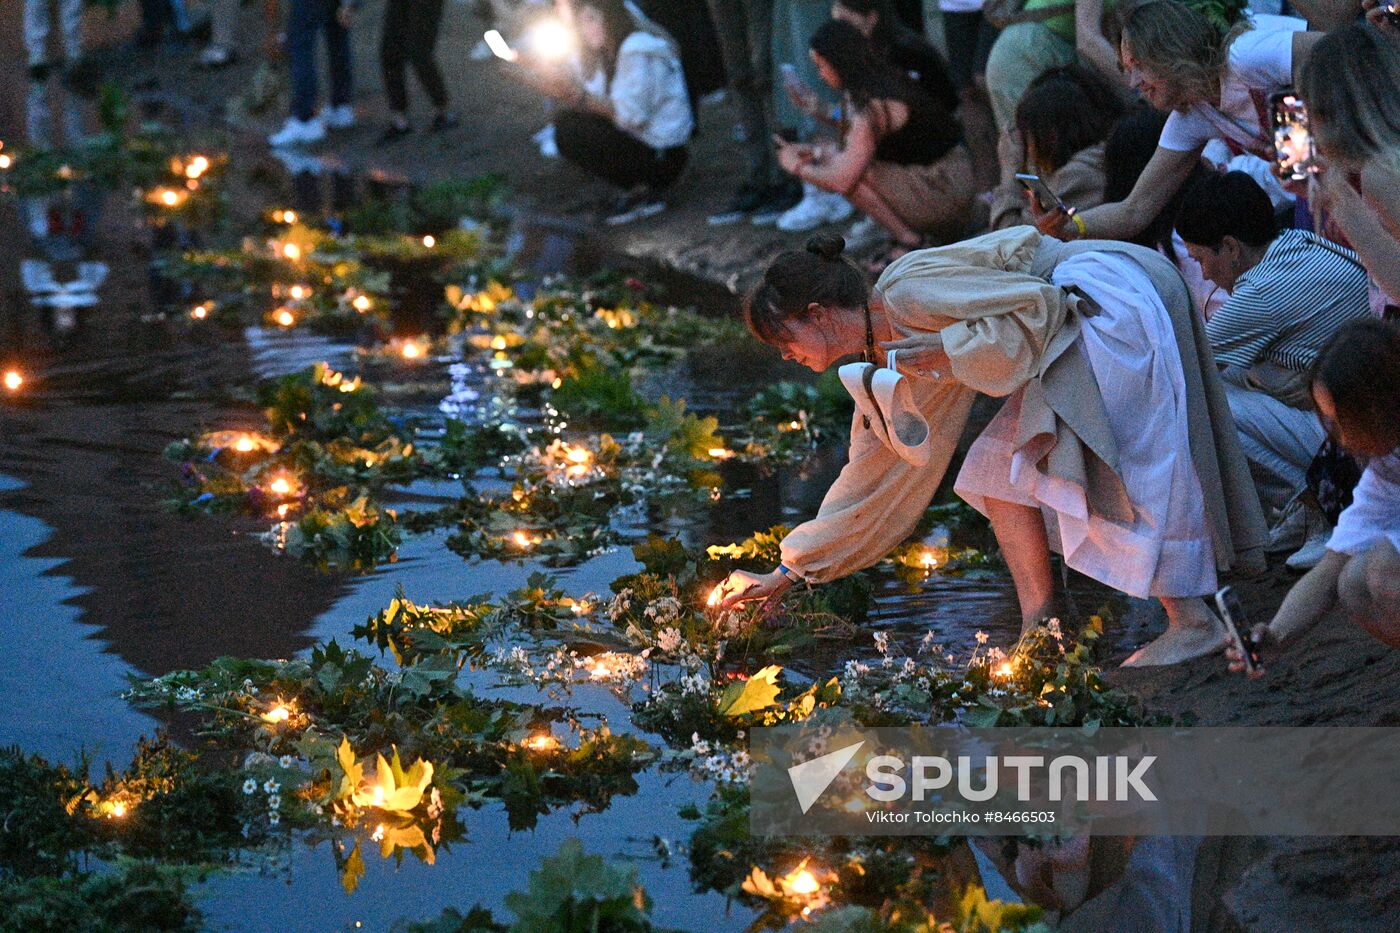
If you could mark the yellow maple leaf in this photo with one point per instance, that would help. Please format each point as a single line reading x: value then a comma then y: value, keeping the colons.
x: 352, y: 772
x: 393, y: 789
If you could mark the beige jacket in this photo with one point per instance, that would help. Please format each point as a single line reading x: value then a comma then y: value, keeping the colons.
x: 1006, y: 327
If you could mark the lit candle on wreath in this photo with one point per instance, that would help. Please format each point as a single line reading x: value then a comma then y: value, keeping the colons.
x: 541, y: 742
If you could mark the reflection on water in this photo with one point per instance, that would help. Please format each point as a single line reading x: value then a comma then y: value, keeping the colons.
x: 60, y: 685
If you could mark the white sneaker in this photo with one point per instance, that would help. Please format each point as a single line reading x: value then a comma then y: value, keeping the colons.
x: 338, y: 118
x: 816, y: 209
x: 296, y: 132
x: 864, y: 233
x: 1311, y: 553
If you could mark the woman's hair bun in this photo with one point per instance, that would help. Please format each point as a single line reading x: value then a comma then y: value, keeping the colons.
x: 828, y: 246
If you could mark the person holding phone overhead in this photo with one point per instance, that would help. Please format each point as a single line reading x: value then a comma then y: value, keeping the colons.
x: 901, y: 160
x: 1115, y: 446
x: 626, y: 114
x: 1215, y: 85
x: 1061, y: 127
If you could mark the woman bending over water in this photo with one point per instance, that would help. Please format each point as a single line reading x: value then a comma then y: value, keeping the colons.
x: 1115, y: 446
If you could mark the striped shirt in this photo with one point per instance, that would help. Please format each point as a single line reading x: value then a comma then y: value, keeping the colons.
x: 1287, y: 307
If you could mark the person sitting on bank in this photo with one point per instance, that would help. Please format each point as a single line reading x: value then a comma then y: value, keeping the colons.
x: 626, y: 114
x: 902, y: 160
x: 1062, y: 125
x: 1289, y: 293
x: 1115, y: 446
x: 1356, y: 387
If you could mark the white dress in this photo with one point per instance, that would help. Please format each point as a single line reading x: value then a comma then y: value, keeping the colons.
x: 1130, y: 346
x: 1374, y: 513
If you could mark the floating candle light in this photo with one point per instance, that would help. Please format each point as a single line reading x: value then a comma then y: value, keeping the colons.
x: 283, y: 509
x: 197, y: 166
x: 411, y: 350
x: 720, y: 453
x: 14, y: 380
x: 5, y: 161
x: 498, y: 343
x: 199, y: 312
x: 278, y: 713
x: 284, y: 318
x: 118, y: 809
x: 541, y: 742
x: 361, y: 303
x: 429, y: 241
x: 245, y: 444
x: 1004, y: 671
x: 802, y: 882
x: 291, y: 251
x: 299, y: 292
x: 280, y: 486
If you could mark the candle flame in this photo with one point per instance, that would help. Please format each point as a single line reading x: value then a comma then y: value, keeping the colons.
x: 429, y: 241
x: 541, y: 741
x: 716, y: 596
x: 1004, y: 671
x: 13, y: 380
x: 299, y: 292
x: 278, y: 713
x: 291, y: 251
x: 361, y: 303
x: 280, y: 486
x: 118, y: 809
x: 411, y: 350
x: 285, y: 318
x: 170, y: 198
x: 803, y: 882
x: 199, y: 312
x: 5, y: 162
x: 244, y: 444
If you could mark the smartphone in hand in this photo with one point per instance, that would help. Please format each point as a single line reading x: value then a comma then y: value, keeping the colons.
x: 1294, y: 158
x: 1044, y: 195
x: 1237, y: 627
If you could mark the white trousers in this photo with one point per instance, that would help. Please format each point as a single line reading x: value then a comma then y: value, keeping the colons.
x: 1279, y: 442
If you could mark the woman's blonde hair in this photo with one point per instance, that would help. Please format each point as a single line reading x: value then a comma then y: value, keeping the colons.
x: 1179, y: 45
x: 1351, y: 84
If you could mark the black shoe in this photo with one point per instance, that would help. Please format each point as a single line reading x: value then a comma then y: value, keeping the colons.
x: 392, y: 134
x: 445, y: 121
x: 749, y: 198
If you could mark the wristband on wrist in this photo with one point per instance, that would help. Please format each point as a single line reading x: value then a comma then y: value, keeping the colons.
x: 788, y: 573
x: 1079, y: 225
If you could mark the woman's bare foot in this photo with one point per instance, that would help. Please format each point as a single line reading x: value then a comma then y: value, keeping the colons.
x: 1193, y: 631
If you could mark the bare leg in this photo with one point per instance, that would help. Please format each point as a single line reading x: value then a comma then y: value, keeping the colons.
x: 1369, y: 590
x: 1193, y: 631
x: 865, y: 198
x: 1020, y: 532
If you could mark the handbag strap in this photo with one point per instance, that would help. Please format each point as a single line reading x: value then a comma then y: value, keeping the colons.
x: 867, y: 380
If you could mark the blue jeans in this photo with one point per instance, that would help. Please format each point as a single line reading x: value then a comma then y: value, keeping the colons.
x: 305, y: 19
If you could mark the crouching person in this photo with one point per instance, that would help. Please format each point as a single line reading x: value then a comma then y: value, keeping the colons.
x: 1356, y: 385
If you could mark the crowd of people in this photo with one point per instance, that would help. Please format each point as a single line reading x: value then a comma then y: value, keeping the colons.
x: 1177, y: 266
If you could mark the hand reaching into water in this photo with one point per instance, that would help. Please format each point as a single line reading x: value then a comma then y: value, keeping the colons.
x: 742, y: 586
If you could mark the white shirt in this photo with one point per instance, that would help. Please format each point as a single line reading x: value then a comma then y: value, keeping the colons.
x: 1374, y: 513
x: 1260, y: 62
x: 648, y: 91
